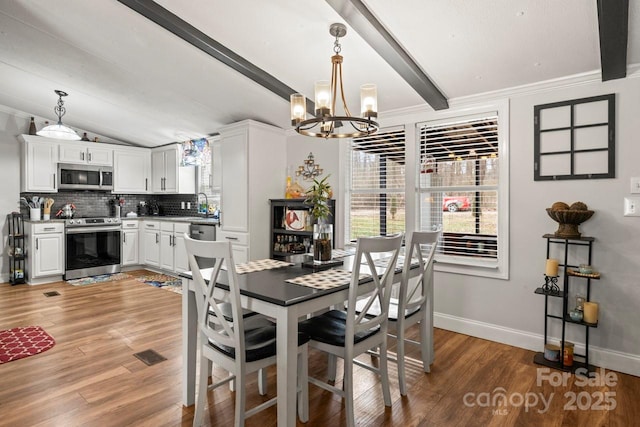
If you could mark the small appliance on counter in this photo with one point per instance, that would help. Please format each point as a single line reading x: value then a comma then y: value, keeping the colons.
x: 153, y: 208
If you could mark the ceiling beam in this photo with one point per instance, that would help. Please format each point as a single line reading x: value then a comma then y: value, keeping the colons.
x: 170, y: 22
x: 382, y: 41
x: 613, y: 23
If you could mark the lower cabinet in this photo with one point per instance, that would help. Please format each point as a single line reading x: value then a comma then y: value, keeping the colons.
x: 239, y: 244
x: 130, y: 243
x: 173, y: 254
x: 45, y: 250
x: 150, y: 247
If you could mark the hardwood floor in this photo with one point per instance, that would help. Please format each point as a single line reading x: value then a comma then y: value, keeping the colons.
x: 91, y: 378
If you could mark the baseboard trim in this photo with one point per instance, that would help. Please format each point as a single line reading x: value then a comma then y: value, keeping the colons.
x: 610, y: 359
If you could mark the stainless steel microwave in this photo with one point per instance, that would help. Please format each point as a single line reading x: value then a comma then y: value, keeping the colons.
x: 84, y: 177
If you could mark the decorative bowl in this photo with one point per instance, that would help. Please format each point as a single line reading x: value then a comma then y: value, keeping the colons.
x: 576, y: 315
x: 569, y: 221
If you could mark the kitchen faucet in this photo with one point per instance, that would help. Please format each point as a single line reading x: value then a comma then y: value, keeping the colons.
x: 206, y: 200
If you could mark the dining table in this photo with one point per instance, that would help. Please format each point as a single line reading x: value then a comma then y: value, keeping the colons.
x: 270, y: 291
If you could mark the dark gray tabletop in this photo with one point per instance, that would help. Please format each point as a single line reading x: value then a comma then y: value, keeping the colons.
x: 271, y: 285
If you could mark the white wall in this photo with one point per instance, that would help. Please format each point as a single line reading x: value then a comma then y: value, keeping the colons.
x: 11, y: 125
x: 508, y: 310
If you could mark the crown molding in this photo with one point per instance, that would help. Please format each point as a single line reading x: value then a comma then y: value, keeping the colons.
x: 633, y: 71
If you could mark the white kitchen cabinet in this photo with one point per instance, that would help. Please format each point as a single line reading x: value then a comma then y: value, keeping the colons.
x: 168, y: 176
x: 85, y: 153
x: 150, y: 248
x: 173, y: 254
x: 39, y: 158
x: 130, y: 242
x: 253, y: 171
x: 239, y: 244
x: 45, y: 252
x: 131, y: 170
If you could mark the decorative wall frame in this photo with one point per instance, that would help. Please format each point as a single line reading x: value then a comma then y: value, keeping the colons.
x: 575, y: 139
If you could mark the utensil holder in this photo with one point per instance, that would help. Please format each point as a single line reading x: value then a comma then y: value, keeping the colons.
x: 34, y: 214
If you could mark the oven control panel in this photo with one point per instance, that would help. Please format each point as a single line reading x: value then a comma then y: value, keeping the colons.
x: 83, y: 222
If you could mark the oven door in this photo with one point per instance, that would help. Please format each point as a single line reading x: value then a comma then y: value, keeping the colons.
x: 91, y: 251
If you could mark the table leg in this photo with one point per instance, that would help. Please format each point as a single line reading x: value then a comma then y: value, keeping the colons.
x: 287, y: 358
x: 189, y: 343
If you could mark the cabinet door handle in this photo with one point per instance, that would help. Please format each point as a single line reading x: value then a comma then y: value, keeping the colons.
x: 37, y: 244
x: 124, y: 237
x: 157, y: 236
x: 49, y: 229
x: 81, y: 155
x: 146, y: 184
x: 89, y: 156
x: 54, y: 181
x: 231, y: 238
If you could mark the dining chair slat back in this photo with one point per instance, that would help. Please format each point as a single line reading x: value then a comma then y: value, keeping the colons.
x: 347, y: 334
x: 225, y: 341
x: 416, y: 293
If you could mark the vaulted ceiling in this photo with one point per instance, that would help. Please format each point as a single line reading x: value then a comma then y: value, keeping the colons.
x: 132, y: 80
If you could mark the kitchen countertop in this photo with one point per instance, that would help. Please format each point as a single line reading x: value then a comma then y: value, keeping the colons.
x: 190, y: 219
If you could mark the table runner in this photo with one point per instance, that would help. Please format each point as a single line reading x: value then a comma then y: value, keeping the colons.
x: 339, y: 253
x: 259, y: 265
x: 399, y: 262
x: 325, y: 279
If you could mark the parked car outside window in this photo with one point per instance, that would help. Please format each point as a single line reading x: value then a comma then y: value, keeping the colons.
x: 455, y: 203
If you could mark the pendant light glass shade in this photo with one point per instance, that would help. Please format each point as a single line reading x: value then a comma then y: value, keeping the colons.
x: 59, y: 131
x: 298, y: 108
x: 369, y: 100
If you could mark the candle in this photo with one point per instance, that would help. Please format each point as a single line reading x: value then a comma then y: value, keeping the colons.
x: 552, y: 267
x: 590, y: 312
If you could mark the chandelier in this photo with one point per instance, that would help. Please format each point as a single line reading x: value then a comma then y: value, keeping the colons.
x: 310, y: 169
x: 59, y: 131
x: 327, y: 124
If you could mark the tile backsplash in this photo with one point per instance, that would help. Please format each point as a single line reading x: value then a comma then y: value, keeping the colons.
x: 95, y: 203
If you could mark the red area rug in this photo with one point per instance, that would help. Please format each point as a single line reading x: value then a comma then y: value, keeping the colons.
x: 18, y: 343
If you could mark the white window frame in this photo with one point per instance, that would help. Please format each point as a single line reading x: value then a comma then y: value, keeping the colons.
x: 466, y: 265
x: 345, y: 153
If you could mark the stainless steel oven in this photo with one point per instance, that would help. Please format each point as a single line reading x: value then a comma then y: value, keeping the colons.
x: 93, y: 247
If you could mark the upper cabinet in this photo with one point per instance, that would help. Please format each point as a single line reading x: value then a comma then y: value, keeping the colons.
x: 131, y: 170
x: 85, y: 153
x: 136, y: 170
x: 39, y: 158
x: 252, y: 172
x: 167, y: 175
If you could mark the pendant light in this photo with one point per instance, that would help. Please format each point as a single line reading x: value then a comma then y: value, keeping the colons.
x: 328, y: 124
x: 59, y: 131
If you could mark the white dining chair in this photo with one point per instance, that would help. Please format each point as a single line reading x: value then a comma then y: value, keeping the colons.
x: 345, y: 334
x: 227, y: 343
x: 413, y: 304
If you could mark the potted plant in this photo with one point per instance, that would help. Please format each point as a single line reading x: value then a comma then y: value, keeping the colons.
x: 317, y: 197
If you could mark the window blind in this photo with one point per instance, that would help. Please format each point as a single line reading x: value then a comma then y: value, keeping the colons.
x: 376, y: 184
x: 458, y: 185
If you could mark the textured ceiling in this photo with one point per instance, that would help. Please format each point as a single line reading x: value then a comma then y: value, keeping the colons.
x: 133, y: 81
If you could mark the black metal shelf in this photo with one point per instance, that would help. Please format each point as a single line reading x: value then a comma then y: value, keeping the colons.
x: 541, y: 291
x: 563, y: 293
x: 16, y: 249
x: 578, y: 366
x: 568, y: 319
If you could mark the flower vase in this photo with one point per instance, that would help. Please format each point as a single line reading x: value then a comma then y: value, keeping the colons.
x: 322, y: 242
